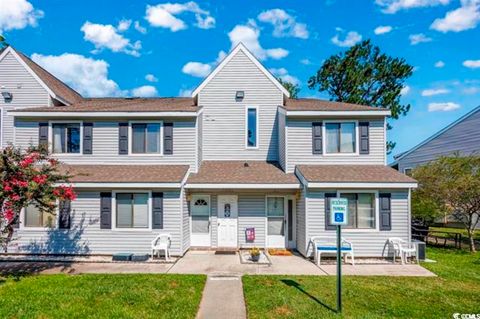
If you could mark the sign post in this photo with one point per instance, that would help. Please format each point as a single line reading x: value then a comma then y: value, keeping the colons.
x: 338, y: 217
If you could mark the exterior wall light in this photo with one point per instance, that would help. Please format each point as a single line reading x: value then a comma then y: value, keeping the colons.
x: 239, y: 95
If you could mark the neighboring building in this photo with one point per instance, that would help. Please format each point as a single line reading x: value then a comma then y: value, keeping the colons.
x: 462, y: 136
x: 239, y: 155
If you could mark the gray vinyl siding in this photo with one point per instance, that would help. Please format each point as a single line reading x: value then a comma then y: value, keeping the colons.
x: 224, y: 118
x: 86, y: 237
x: 282, y: 140
x: 185, y: 222
x: 301, y: 222
x: 299, y: 145
x: 105, y: 144
x: 27, y: 93
x: 463, y: 138
x: 199, y: 140
x: 366, y: 243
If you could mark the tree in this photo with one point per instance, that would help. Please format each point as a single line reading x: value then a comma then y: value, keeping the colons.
x: 3, y: 42
x: 293, y: 89
x: 452, y: 184
x: 29, y: 177
x: 364, y: 75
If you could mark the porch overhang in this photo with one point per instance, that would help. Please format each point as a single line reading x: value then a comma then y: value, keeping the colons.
x: 242, y: 186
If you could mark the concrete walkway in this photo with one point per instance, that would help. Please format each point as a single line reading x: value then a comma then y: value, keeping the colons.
x: 222, y: 298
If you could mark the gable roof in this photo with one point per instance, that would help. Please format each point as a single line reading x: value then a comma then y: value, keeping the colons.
x: 240, y: 47
x: 56, y: 88
x: 304, y: 104
x: 458, y: 121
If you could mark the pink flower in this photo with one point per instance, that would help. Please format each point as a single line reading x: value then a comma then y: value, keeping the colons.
x: 15, y: 197
x: 9, y: 214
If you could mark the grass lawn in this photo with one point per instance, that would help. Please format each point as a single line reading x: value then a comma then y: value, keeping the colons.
x: 101, y: 296
x: 456, y: 289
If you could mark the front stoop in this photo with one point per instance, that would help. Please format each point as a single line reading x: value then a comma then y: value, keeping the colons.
x: 222, y: 298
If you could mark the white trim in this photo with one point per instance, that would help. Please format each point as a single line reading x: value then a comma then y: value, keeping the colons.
x: 242, y: 186
x: 193, y: 198
x: 235, y: 198
x: 130, y: 138
x: 384, y: 140
x: 114, y: 210
x: 132, y: 114
x: 377, y: 211
x: 360, y: 185
x: 22, y: 220
x: 286, y: 146
x: 50, y: 138
x: 123, y: 185
x: 285, y: 228
x: 324, y: 142
x: 337, y: 113
x: 240, y: 47
x: 458, y: 121
x: 1, y: 130
x: 257, y: 128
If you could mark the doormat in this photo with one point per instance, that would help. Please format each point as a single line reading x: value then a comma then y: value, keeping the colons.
x: 225, y: 252
x: 279, y: 252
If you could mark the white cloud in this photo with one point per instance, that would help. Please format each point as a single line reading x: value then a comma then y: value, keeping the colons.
x: 444, y: 107
x: 350, y: 39
x: 151, y: 78
x: 106, y: 36
x: 144, y: 91
x: 85, y: 75
x: 282, y: 73
x: 124, y: 25
x: 432, y: 92
x: 439, y: 64
x: 464, y: 18
x: 284, y: 24
x: 185, y: 92
x: 305, y: 61
x: 405, y: 90
x: 164, y: 15
x: 248, y: 34
x: 139, y: 28
x: 471, y: 90
x: 418, y: 38
x: 197, y: 69
x: 472, y: 64
x: 18, y: 14
x: 393, y: 6
x: 382, y: 29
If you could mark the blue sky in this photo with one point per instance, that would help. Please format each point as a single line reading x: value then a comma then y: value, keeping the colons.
x: 155, y: 48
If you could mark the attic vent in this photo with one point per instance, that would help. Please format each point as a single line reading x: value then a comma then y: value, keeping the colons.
x: 246, y: 164
x: 132, y: 98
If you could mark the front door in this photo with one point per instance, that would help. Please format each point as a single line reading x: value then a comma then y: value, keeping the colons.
x: 200, y: 212
x: 227, y: 221
x: 280, y: 222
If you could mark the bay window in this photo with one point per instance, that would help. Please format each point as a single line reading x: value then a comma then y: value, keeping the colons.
x: 66, y: 137
x: 132, y: 210
x: 340, y: 138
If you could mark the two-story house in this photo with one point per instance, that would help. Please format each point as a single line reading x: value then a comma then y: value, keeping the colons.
x: 239, y: 164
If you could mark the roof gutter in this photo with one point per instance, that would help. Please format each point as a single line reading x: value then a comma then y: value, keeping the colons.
x: 241, y: 186
x: 360, y: 185
x: 121, y: 185
x: 133, y: 114
x: 335, y: 113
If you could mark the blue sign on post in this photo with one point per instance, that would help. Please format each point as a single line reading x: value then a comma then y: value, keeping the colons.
x: 338, y: 211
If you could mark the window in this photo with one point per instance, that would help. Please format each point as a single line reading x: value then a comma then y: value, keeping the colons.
x: 200, y: 215
x: 361, y: 210
x: 66, y: 137
x: 275, y: 215
x: 407, y: 171
x: 252, y: 127
x: 340, y: 137
x: 146, y: 138
x: 132, y: 210
x: 34, y: 217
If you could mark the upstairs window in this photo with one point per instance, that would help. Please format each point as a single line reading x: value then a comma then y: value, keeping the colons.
x: 340, y: 138
x: 66, y: 137
x: 252, y: 127
x: 146, y: 138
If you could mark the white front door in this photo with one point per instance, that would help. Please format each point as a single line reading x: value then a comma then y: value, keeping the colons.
x: 200, y: 212
x: 227, y: 220
x: 280, y: 222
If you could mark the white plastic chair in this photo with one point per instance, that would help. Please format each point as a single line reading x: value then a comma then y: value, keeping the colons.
x: 403, y: 249
x: 323, y: 244
x: 161, y: 243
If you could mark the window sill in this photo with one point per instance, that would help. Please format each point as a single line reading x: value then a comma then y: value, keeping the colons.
x: 135, y: 230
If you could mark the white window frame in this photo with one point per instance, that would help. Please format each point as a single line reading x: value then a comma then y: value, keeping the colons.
x: 50, y: 137
x: 377, y: 211
x: 324, y: 134
x: 23, y: 226
x: 114, y: 210
x: 257, y: 135
x: 130, y: 137
x: 405, y: 169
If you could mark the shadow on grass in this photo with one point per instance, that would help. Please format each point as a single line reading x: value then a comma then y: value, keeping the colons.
x: 294, y: 284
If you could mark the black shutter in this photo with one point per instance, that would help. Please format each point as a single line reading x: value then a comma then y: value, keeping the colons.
x: 157, y: 210
x: 43, y: 135
x: 328, y: 196
x: 168, y: 138
x: 87, y: 138
x: 364, y: 137
x: 385, y: 211
x: 123, y: 138
x: 64, y: 208
x: 317, y: 138
x: 105, y: 210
